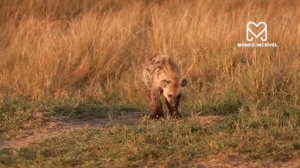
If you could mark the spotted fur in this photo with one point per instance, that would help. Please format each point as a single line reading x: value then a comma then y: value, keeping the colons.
x: 161, y: 76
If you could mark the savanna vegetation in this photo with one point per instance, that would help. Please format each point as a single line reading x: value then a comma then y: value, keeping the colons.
x: 82, y: 59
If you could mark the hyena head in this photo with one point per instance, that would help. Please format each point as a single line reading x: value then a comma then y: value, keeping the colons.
x: 173, y: 89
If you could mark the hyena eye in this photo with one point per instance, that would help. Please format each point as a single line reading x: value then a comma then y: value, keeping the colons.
x: 169, y: 95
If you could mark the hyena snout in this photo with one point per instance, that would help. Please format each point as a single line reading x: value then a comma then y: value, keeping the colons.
x: 174, y: 101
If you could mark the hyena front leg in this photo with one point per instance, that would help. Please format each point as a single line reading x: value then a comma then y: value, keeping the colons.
x: 176, y: 114
x: 173, y: 111
x: 156, y: 106
x: 170, y: 108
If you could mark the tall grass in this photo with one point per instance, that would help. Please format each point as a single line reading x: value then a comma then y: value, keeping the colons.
x: 94, y: 49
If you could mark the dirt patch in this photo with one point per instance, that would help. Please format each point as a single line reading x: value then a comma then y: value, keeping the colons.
x: 250, y: 164
x: 239, y: 163
x: 62, y: 125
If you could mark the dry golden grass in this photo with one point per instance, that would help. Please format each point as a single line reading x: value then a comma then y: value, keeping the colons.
x: 94, y: 49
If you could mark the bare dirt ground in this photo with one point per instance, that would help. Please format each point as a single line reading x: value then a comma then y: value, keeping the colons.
x: 58, y: 126
x: 229, y: 161
x: 62, y: 125
x: 249, y: 164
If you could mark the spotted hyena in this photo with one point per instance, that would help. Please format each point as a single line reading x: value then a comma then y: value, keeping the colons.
x: 161, y: 76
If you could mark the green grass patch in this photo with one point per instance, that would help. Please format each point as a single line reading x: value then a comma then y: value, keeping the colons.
x: 229, y: 103
x: 164, y: 142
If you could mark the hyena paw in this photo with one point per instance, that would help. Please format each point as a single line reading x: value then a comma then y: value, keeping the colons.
x: 155, y: 116
x: 177, y: 116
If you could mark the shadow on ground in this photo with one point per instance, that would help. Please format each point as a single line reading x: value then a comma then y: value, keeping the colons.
x: 66, y: 118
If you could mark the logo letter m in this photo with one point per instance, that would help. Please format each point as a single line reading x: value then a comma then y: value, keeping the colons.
x: 262, y: 33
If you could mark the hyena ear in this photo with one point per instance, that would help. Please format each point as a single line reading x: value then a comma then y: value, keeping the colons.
x: 164, y: 83
x: 183, y: 82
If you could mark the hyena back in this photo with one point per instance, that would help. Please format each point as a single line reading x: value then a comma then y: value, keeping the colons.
x: 161, y: 76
